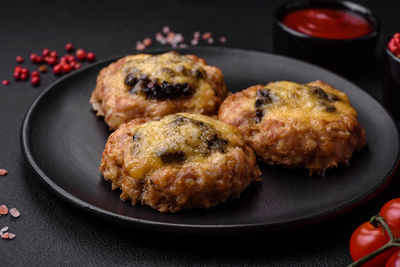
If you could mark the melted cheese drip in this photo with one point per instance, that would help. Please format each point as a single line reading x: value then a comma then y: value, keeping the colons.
x: 156, y: 137
x: 297, y: 101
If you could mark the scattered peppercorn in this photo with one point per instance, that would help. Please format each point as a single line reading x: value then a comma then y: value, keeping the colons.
x: 81, y: 54
x: 35, y: 73
x: 91, y: 56
x: 45, y: 52
x: 23, y: 77
x: 78, y: 66
x: 35, y: 80
x: 3, y: 172
x: 34, y: 58
x: 6, y: 82
x: 57, y: 69
x: 25, y: 71
x: 20, y: 59
x: 17, y: 75
x: 66, y: 68
x: 69, y: 47
x: 43, y: 68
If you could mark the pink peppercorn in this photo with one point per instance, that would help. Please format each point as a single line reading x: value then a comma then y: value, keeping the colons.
x: 35, y: 73
x: 81, y: 54
x: 53, y: 54
x: 20, y: 59
x: 24, y: 71
x: 57, y: 69
x: 35, y: 80
x: 17, y: 75
x: 66, y: 68
x: 78, y: 66
x: 45, y: 52
x: 91, y: 56
x: 23, y: 76
x: 69, y: 47
x: 6, y: 82
x: 34, y: 57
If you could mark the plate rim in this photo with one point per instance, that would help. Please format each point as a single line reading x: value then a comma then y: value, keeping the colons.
x: 191, y: 228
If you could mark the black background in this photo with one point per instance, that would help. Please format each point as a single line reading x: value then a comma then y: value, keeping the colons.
x: 50, y: 232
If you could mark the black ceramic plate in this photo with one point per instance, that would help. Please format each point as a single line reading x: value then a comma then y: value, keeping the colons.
x: 63, y: 140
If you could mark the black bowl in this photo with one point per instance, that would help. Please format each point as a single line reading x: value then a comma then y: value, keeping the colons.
x: 391, y: 83
x: 347, y: 56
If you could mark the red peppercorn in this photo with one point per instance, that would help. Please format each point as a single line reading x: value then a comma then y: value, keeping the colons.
x: 39, y: 59
x: 91, y: 56
x: 34, y: 57
x: 17, y: 75
x: 47, y: 59
x: 20, y: 59
x: 35, y: 73
x: 78, y: 66
x: 25, y: 71
x: 57, y: 69
x: 72, y: 64
x: 35, y: 80
x: 70, y: 58
x: 66, y: 68
x: 81, y: 54
x: 18, y: 68
x: 45, y: 52
x: 52, y: 61
x: 69, y: 47
x: 53, y: 54
x: 23, y: 77
x: 6, y: 82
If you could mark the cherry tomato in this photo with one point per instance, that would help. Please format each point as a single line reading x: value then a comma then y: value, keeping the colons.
x: 394, y: 261
x: 391, y: 212
x: 366, y: 239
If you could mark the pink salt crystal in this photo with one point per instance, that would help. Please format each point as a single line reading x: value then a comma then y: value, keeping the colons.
x: 3, y: 210
x: 206, y: 35
x: 3, y: 172
x: 194, y: 42
x: 222, y: 39
x: 160, y: 38
x: 140, y: 46
x: 11, y: 236
x: 196, y: 35
x: 14, y: 212
x: 210, y: 40
x: 147, y: 42
x: 166, y: 29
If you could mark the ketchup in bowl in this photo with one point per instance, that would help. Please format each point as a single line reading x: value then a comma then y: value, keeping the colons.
x: 327, y: 23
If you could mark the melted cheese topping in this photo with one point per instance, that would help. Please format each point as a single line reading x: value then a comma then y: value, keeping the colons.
x: 169, y: 67
x: 177, y: 139
x: 291, y: 100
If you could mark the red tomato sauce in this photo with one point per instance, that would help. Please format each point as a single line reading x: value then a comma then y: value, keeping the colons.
x: 327, y: 23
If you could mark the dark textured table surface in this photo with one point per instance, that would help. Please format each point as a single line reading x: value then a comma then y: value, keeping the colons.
x: 50, y: 232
